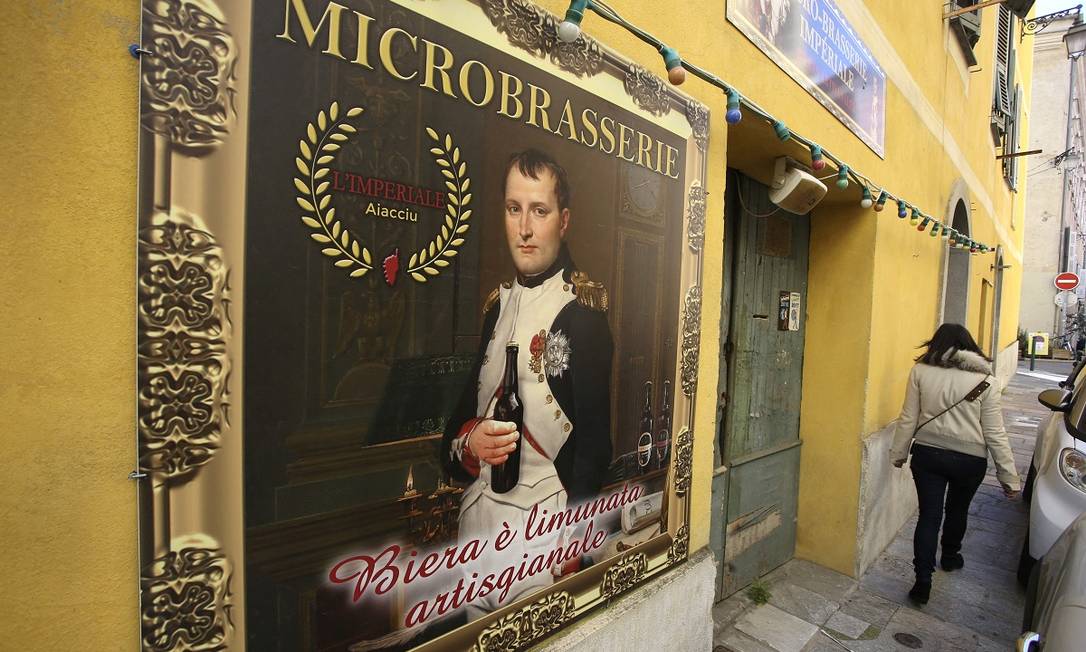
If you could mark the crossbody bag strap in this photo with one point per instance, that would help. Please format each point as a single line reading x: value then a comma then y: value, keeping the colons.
x: 971, y: 396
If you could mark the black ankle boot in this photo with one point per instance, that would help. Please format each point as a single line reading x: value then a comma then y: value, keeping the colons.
x: 952, y: 562
x: 920, y: 592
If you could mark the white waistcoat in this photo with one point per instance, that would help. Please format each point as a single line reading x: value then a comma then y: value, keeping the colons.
x: 524, y: 314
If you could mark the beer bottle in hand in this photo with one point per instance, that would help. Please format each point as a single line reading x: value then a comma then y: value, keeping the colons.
x: 505, y: 476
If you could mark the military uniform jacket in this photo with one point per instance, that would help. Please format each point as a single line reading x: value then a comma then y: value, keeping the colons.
x: 564, y: 367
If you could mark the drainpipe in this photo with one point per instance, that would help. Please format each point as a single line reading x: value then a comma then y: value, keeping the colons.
x: 1061, y: 314
x: 997, y: 268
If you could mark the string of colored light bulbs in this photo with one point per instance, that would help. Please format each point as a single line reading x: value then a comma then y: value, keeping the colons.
x: 570, y: 29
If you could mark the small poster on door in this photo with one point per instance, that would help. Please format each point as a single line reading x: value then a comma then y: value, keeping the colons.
x: 788, y: 311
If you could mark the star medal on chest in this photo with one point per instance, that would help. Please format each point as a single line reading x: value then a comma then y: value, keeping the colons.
x: 556, y: 354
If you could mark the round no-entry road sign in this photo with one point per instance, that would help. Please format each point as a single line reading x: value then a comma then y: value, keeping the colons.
x: 1066, y: 281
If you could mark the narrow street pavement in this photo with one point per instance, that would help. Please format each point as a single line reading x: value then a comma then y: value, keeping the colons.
x: 811, y: 608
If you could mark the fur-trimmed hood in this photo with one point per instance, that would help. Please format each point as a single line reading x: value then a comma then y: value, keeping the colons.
x: 966, y: 361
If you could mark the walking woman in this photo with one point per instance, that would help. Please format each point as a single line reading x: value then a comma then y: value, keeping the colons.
x: 952, y: 419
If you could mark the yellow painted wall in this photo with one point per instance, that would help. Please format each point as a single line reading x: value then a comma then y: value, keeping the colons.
x: 909, y: 269
x: 68, y: 294
x: 875, y: 284
x: 835, y: 363
x: 1012, y: 278
x: 67, y: 315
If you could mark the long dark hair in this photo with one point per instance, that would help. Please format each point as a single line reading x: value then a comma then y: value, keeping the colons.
x: 948, y: 340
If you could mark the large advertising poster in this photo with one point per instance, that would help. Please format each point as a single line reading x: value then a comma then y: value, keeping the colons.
x: 419, y: 307
x: 812, y: 42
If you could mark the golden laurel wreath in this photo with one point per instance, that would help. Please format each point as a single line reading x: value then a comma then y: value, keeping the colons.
x: 323, y: 139
x: 444, y: 246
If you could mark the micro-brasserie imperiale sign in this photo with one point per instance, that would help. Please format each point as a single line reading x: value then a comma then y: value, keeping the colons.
x: 419, y: 304
x: 437, y: 68
x: 812, y: 42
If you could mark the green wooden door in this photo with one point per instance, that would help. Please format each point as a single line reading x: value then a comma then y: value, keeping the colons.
x: 759, y: 442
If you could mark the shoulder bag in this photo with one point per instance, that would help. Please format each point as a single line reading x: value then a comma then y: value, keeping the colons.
x: 973, y: 395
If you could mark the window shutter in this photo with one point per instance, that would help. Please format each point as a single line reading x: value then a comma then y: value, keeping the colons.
x: 1011, y: 140
x: 1004, y: 61
x: 1019, y: 7
x: 970, y: 24
x: 1003, y: 93
x: 966, y: 29
x: 1002, y: 97
x: 1017, y: 135
x: 1003, y: 34
x: 1008, y: 148
x: 1000, y: 105
x: 1012, y: 62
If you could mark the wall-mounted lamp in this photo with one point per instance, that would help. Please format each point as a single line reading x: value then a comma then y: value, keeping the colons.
x: 1075, y: 40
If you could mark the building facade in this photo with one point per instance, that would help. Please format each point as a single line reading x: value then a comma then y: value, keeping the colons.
x: 1055, y: 208
x: 795, y: 346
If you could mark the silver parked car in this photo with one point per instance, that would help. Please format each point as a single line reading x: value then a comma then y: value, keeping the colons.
x: 1055, y: 618
x: 1056, y: 483
x: 1054, y: 554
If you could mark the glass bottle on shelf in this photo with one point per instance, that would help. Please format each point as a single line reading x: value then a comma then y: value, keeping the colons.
x: 663, y: 429
x: 644, y: 440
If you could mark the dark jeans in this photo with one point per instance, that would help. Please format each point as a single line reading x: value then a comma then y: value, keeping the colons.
x: 938, y: 473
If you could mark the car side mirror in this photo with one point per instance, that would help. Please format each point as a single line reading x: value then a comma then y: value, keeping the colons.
x: 1057, y: 400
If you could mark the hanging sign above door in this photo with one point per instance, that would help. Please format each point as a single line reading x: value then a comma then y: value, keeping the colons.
x: 812, y: 42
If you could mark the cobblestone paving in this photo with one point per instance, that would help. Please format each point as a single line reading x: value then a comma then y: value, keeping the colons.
x: 977, y: 608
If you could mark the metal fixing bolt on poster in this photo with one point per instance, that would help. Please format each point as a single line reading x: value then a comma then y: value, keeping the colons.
x: 419, y: 301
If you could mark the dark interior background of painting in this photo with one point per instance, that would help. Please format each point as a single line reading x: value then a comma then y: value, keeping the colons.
x: 347, y: 381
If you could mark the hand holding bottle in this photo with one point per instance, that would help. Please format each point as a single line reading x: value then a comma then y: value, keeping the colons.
x: 509, y: 413
x: 492, y: 441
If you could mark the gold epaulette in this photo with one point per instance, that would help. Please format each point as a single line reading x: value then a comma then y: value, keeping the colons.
x: 590, y: 294
x: 491, y: 299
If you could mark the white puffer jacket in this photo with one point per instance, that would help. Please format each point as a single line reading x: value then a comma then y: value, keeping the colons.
x: 974, y: 428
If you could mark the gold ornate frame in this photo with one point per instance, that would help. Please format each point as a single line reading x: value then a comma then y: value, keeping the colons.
x: 190, y: 285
